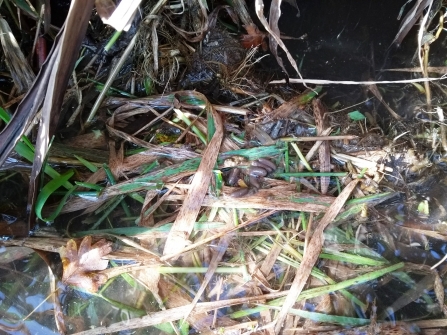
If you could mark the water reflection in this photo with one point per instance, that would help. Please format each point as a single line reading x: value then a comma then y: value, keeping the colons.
x: 24, y: 289
x: 29, y: 305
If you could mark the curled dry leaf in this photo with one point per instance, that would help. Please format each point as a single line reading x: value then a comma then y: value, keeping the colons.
x: 80, y: 266
x: 254, y: 37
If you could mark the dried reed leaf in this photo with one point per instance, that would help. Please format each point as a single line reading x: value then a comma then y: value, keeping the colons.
x: 279, y: 197
x: 148, y: 278
x: 410, y: 295
x: 146, y: 219
x: 374, y: 90
x: 439, y: 291
x: 21, y: 72
x: 274, y: 15
x: 410, y: 20
x: 47, y: 16
x: 274, y: 33
x: 202, y: 319
x: 93, y: 140
x: 174, y: 297
x: 65, y: 53
x: 147, y: 210
x: 86, y: 152
x: 120, y: 17
x: 316, y: 146
x: 324, y: 150
x: 270, y: 259
x: 105, y: 9
x: 183, y: 225
x: 311, y: 253
x: 227, y: 144
x: 276, y: 198
x: 52, y: 80
x: 218, y: 235
x: 240, y: 7
x: 12, y: 254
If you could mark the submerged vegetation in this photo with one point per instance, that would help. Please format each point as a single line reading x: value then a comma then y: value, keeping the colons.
x: 156, y: 177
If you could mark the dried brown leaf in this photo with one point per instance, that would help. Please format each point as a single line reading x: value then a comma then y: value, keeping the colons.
x: 254, y: 37
x: 81, y: 265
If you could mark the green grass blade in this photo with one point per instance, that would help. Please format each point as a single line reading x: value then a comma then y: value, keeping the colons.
x: 317, y: 291
x: 89, y: 186
x: 48, y: 190
x: 87, y: 164
x: 320, y: 317
x: 188, y: 122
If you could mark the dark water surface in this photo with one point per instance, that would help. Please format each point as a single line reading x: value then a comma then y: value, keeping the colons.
x: 343, y: 38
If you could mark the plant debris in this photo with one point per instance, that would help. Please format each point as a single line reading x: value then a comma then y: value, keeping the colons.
x: 234, y: 204
x: 81, y: 264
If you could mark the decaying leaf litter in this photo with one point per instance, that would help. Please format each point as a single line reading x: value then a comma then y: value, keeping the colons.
x: 227, y: 217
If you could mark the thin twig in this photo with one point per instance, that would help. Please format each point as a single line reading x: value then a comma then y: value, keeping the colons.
x: 350, y: 82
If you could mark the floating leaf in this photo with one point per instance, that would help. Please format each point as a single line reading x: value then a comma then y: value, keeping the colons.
x: 356, y: 116
x: 48, y: 190
x: 81, y: 266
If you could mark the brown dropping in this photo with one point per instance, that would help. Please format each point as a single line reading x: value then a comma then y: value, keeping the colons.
x: 257, y: 171
x: 234, y: 176
x: 267, y: 164
x: 254, y: 182
x: 242, y: 192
